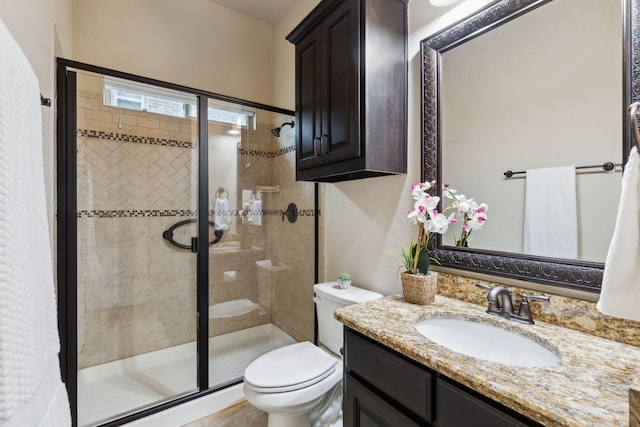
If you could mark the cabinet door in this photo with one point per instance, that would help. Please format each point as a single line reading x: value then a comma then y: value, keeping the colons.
x: 364, y: 408
x: 309, y: 99
x: 341, y: 125
x: 456, y: 408
x: 391, y: 375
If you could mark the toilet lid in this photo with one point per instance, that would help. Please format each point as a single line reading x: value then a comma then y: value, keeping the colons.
x: 289, y: 368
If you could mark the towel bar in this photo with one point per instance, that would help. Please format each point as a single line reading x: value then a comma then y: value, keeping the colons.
x: 607, y: 166
x: 221, y: 192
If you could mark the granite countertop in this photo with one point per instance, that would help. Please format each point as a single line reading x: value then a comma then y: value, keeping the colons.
x: 588, y: 387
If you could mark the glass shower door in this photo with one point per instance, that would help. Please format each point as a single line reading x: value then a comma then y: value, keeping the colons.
x: 137, y: 174
x: 250, y: 174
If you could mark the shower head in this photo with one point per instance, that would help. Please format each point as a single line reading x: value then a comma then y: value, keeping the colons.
x: 276, y: 131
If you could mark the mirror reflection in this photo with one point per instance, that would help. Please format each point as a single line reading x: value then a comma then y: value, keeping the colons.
x: 541, y: 91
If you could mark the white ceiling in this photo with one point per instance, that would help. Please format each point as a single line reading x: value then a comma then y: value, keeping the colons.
x: 268, y: 11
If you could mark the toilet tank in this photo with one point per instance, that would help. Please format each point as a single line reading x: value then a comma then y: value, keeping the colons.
x: 328, y: 298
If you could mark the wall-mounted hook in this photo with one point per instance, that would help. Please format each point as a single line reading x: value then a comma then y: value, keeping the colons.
x: 291, y: 213
x: 46, y: 102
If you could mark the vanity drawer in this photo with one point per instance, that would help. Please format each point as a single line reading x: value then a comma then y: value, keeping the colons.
x: 459, y: 408
x: 397, y: 378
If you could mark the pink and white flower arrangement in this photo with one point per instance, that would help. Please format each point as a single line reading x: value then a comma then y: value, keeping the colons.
x: 430, y: 221
x: 425, y: 215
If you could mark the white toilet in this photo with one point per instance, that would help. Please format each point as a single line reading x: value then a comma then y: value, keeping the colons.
x: 300, y: 385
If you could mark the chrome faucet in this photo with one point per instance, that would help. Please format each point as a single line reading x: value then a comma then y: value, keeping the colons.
x: 500, y: 303
x: 499, y: 298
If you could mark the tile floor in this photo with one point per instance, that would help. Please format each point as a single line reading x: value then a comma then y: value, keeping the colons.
x: 240, y: 415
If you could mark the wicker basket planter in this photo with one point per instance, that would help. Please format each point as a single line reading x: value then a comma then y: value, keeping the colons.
x: 419, y: 289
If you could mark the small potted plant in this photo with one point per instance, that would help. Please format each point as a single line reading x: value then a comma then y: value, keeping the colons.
x: 344, y: 280
x: 419, y: 285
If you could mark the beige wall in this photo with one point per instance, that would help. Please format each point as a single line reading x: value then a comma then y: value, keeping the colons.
x: 283, y: 54
x: 204, y: 46
x: 42, y: 28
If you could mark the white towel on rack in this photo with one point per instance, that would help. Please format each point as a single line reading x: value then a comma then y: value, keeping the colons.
x: 221, y: 214
x: 551, y: 213
x: 31, y: 391
x: 255, y: 212
x: 620, y: 293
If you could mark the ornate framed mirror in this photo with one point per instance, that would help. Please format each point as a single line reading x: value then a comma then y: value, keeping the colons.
x: 529, y: 84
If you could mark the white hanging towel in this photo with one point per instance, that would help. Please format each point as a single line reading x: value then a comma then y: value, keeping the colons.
x: 620, y: 293
x: 221, y: 214
x: 31, y: 391
x: 255, y: 212
x: 551, y: 213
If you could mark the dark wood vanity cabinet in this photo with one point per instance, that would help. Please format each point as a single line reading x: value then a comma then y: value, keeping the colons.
x: 351, y: 90
x: 385, y: 389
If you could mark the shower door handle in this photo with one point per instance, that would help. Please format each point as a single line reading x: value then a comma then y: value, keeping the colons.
x: 168, y: 235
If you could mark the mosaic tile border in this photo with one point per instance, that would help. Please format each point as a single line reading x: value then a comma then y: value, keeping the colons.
x: 150, y: 213
x: 114, y: 136
x: 268, y: 154
x: 134, y: 213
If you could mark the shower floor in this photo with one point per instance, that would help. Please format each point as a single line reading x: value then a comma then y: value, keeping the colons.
x: 119, y: 387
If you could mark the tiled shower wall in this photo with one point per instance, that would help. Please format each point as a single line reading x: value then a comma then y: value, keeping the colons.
x: 136, y: 292
x: 293, y: 245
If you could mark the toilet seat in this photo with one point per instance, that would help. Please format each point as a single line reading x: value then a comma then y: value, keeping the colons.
x: 289, y: 368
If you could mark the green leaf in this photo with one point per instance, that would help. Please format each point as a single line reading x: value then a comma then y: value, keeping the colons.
x: 424, y: 261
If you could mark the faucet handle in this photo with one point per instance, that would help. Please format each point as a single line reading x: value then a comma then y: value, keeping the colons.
x: 483, y: 286
x: 540, y: 298
x: 524, y: 312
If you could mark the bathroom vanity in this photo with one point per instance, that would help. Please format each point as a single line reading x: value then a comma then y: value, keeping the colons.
x: 377, y: 380
x: 382, y: 385
x: 396, y: 376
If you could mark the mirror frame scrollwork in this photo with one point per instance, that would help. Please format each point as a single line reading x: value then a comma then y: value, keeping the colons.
x: 574, y: 274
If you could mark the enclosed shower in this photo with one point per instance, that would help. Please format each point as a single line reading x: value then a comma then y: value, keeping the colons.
x: 176, y: 225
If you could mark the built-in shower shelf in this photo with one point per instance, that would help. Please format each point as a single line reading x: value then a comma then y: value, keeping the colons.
x: 232, y: 308
x: 268, y: 188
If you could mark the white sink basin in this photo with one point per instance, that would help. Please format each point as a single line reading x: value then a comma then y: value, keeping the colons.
x: 483, y: 341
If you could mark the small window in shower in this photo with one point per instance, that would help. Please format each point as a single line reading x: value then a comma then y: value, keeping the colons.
x: 228, y: 114
x: 140, y: 97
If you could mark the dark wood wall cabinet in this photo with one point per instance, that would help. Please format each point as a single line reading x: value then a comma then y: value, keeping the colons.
x: 383, y: 388
x: 351, y: 90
